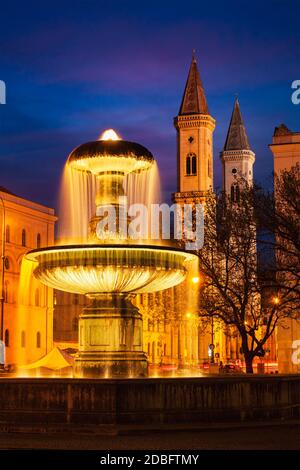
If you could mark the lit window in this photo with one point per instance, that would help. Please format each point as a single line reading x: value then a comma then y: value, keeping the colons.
x: 23, y: 339
x: 75, y: 324
x: 6, y: 338
x: 7, y: 263
x: 23, y: 237
x: 37, y: 297
x: 7, y: 234
x: 38, y: 340
x: 6, y: 291
x: 38, y: 240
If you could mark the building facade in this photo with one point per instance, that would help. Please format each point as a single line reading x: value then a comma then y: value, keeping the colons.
x: 27, y: 318
x: 286, y: 153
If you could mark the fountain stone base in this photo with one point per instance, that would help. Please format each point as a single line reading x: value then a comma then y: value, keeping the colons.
x: 111, y: 339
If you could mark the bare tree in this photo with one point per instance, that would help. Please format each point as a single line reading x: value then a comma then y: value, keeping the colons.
x: 234, y: 290
x: 278, y: 217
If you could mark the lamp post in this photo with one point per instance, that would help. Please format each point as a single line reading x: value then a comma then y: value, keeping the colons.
x: 2, y: 268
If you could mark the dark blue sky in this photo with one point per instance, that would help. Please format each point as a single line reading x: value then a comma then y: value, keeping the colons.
x: 75, y: 68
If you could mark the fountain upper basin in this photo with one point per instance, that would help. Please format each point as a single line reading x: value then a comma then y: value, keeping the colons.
x: 108, y: 155
x: 95, y: 269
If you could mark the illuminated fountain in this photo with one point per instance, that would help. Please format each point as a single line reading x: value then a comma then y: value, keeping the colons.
x: 110, y: 268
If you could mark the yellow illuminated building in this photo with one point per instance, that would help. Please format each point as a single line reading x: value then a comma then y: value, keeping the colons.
x: 286, y: 152
x: 27, y: 327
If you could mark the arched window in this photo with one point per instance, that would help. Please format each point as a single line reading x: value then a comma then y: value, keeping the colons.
x: 37, y: 297
x: 235, y: 193
x: 188, y: 165
x: 23, y: 237
x: 23, y: 339
x: 7, y: 234
x: 191, y: 164
x: 38, y: 240
x: 6, y: 263
x: 75, y: 324
x: 6, y: 291
x: 6, y: 338
x: 194, y: 165
x: 38, y: 340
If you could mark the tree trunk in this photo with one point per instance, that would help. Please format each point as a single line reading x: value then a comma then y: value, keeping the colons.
x: 249, y: 361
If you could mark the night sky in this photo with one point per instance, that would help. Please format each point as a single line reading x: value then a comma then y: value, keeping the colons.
x: 75, y: 68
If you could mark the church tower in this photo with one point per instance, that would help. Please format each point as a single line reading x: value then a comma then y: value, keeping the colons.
x: 194, y: 126
x: 237, y: 156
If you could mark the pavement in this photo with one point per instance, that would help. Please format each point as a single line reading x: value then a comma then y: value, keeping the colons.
x: 284, y: 436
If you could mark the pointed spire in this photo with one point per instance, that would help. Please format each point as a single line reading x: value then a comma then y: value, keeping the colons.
x: 193, y: 101
x: 236, y: 137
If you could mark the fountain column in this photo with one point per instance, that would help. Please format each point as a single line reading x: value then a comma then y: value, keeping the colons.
x: 111, y: 339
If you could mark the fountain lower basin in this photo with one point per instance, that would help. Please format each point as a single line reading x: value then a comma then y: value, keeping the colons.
x: 110, y: 329
x: 95, y: 269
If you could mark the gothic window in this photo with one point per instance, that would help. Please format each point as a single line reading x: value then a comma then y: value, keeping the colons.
x: 23, y: 237
x: 38, y: 240
x: 235, y: 193
x: 191, y: 164
x: 6, y: 338
x: 7, y: 234
x: 188, y: 165
x: 38, y: 340
x: 194, y: 165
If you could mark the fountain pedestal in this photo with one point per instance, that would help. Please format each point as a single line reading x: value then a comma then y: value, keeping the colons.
x: 111, y: 339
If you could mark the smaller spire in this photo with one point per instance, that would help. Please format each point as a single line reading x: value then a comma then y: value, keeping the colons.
x: 194, y: 100
x: 236, y: 137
